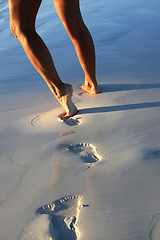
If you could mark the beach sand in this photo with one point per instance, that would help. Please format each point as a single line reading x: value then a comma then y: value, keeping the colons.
x: 96, y: 175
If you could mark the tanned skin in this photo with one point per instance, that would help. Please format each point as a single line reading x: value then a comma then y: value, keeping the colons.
x: 22, y: 23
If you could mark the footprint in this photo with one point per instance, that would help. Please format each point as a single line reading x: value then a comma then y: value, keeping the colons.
x: 63, y: 214
x: 72, y: 121
x: 45, y: 120
x: 86, y: 151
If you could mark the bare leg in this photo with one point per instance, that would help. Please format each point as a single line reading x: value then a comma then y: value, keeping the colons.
x: 22, y: 22
x: 70, y: 15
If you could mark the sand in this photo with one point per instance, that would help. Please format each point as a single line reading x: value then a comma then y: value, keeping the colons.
x: 96, y: 175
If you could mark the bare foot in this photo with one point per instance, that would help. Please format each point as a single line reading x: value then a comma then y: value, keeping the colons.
x: 66, y: 102
x: 91, y: 89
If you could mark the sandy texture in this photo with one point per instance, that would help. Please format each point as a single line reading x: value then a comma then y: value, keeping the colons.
x: 94, y: 176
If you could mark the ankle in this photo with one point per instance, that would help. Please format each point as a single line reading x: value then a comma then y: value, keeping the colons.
x: 91, y: 84
x: 57, y: 90
x: 65, y: 90
x: 91, y: 81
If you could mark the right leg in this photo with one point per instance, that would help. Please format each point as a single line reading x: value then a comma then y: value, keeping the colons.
x: 22, y: 22
x: 70, y: 15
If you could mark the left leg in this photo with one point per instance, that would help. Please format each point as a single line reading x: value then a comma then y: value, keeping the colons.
x: 22, y: 23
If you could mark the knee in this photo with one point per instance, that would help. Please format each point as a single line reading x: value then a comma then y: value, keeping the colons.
x: 17, y: 31
x: 21, y: 33
x: 14, y: 29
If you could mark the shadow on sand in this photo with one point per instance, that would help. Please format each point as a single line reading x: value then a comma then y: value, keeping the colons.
x: 123, y: 87
x: 119, y: 108
x: 126, y: 87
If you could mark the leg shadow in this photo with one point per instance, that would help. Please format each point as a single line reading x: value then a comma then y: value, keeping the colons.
x: 126, y: 87
x: 119, y: 108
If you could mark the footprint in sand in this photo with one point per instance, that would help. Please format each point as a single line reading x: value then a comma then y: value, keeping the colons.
x: 64, y: 213
x: 72, y: 121
x: 41, y: 120
x: 86, y: 151
x: 56, y: 221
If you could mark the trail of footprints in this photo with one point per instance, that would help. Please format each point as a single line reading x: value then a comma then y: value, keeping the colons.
x: 58, y: 220
x: 62, y: 214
